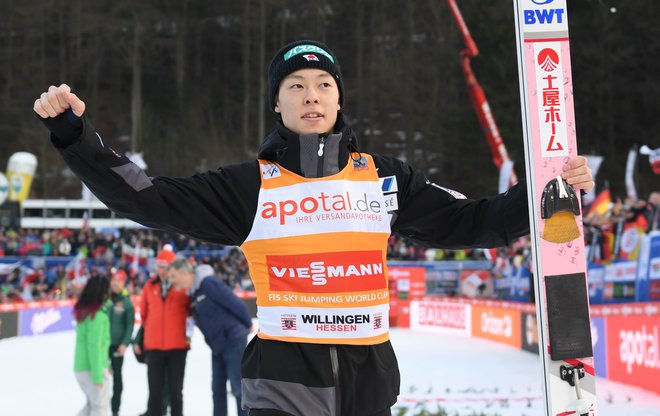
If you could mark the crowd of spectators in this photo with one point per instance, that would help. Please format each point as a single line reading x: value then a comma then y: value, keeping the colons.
x: 399, y: 248
x: 613, y: 232
x: 61, y: 260
x: 99, y: 252
x: 133, y: 250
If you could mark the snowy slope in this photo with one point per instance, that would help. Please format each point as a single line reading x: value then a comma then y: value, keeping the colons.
x: 459, y: 373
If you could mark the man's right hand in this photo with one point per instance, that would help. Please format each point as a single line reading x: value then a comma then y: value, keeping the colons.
x: 56, y: 100
x: 136, y: 349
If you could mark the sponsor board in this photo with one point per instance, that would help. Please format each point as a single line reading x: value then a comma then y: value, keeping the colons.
x: 515, y: 284
x: 625, y: 271
x: 402, y: 313
x: 529, y: 332
x: 648, y: 282
x: 8, y: 324
x: 627, y: 309
x: 441, y: 280
x: 497, y: 324
x: 633, y: 353
x: 410, y: 282
x: 599, y: 342
x: 476, y: 283
x: 654, y: 268
x: 443, y: 317
x: 654, y: 255
x: 40, y: 304
x: 654, y: 290
x: 44, y: 321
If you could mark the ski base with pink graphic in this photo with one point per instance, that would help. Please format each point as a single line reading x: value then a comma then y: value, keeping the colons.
x: 555, y: 214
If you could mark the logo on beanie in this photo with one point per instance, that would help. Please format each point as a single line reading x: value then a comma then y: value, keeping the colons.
x: 311, y: 57
x: 297, y: 50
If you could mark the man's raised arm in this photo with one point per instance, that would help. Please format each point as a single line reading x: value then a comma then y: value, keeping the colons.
x: 216, y: 206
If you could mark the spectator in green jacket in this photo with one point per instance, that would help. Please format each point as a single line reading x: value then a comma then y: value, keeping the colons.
x: 122, y: 317
x: 92, y: 343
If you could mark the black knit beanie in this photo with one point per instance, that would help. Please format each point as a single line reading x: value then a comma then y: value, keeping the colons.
x: 299, y: 55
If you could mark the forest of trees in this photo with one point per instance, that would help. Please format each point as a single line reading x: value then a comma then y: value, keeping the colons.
x: 183, y: 81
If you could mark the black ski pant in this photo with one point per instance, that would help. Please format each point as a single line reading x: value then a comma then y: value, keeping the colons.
x: 160, y: 363
x: 117, y: 363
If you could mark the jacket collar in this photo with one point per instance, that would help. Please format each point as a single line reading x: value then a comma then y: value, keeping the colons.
x: 283, y: 146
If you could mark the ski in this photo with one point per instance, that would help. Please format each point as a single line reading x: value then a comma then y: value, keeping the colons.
x: 562, y: 303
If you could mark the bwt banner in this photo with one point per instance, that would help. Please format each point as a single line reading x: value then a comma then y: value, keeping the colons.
x: 633, y: 353
x: 8, y: 324
x: 45, y: 321
x: 443, y: 317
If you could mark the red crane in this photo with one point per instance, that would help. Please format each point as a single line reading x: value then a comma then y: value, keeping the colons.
x: 478, y: 97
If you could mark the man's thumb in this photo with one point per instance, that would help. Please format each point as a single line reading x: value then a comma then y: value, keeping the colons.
x: 77, y: 105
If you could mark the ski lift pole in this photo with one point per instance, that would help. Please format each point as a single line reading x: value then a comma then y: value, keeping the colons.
x: 478, y: 97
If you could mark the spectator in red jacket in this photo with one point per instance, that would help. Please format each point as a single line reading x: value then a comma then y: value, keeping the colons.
x: 164, y: 311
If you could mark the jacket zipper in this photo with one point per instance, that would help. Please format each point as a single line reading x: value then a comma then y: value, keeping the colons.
x: 334, y: 360
x: 319, y: 166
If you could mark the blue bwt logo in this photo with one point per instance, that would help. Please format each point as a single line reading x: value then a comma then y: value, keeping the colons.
x: 544, y: 16
x: 542, y: 2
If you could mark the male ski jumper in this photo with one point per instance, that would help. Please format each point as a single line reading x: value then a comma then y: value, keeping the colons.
x: 312, y: 216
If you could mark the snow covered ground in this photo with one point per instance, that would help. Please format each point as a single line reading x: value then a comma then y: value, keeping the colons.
x: 460, y: 374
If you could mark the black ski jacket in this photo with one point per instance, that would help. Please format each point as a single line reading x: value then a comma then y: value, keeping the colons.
x: 219, y: 207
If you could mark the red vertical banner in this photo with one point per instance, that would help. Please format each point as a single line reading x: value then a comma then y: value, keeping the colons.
x: 410, y: 281
x: 406, y: 284
x: 633, y: 354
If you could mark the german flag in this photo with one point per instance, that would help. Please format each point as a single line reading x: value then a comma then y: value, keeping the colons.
x: 601, y: 204
x: 631, y: 238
